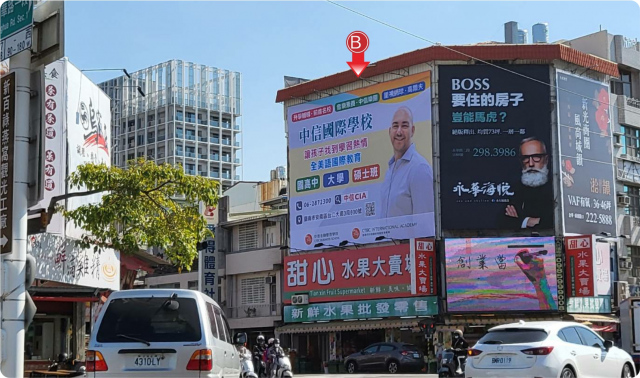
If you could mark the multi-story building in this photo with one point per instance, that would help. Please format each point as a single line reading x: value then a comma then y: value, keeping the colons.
x: 511, y: 32
x: 540, y: 32
x: 523, y: 36
x: 625, y: 101
x: 179, y: 112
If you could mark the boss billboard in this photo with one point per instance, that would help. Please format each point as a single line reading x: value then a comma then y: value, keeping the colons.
x: 495, y: 130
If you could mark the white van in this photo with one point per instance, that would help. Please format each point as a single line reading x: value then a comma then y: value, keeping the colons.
x: 162, y: 333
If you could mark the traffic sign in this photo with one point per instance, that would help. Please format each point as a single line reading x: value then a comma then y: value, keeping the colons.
x: 7, y: 127
x: 16, y: 23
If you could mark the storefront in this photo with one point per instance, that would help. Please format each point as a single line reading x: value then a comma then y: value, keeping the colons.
x: 313, y: 345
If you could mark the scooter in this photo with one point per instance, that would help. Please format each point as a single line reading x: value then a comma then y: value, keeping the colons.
x: 246, y: 365
x: 282, y: 368
x: 453, y: 363
x: 74, y: 367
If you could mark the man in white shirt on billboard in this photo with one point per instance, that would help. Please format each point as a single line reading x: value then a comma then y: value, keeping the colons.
x: 408, y: 184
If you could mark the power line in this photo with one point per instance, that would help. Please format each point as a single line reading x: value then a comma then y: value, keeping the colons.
x: 474, y: 58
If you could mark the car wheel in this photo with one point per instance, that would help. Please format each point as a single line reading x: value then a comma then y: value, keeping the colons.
x: 567, y: 373
x: 626, y: 371
x: 351, y: 367
x: 392, y: 367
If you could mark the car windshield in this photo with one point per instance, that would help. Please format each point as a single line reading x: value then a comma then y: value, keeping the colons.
x: 513, y: 336
x: 131, y: 320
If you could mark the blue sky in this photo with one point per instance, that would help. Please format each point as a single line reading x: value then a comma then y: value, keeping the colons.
x: 268, y: 40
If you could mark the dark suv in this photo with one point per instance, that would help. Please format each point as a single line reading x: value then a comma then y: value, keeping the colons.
x: 386, y: 357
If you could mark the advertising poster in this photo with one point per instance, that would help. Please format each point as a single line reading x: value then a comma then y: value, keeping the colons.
x: 588, y: 186
x: 588, y: 274
x: 580, y: 266
x: 423, y: 272
x: 209, y: 268
x: 602, y: 264
x: 495, y: 164
x: 88, y: 132
x: 502, y: 274
x: 360, y: 165
x: 367, y: 273
x: 380, y: 308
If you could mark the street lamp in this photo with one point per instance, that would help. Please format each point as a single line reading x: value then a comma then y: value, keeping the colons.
x: 345, y: 242
x: 382, y: 237
x: 318, y: 245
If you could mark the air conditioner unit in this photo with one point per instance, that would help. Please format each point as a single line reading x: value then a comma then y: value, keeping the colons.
x: 622, y: 290
x: 270, y: 280
x: 632, y: 280
x: 623, y: 200
x: 300, y: 299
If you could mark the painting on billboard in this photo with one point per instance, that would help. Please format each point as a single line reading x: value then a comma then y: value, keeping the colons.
x: 360, y: 165
x: 503, y: 274
x: 586, y: 150
x: 495, y: 146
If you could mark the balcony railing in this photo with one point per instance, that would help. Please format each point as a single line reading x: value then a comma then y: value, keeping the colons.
x: 215, y: 174
x: 179, y: 153
x: 236, y: 160
x: 151, y: 140
x: 202, y: 173
x: 179, y: 135
x: 633, y: 102
x: 254, y: 311
x: 214, y: 123
x: 202, y: 122
x: 202, y: 156
x: 160, y: 138
x: 191, y: 172
x: 214, y: 157
x: 226, y: 158
x: 236, y: 127
x: 226, y: 142
x: 237, y: 177
x: 202, y: 139
x: 226, y: 125
x: 215, y: 140
x: 191, y: 154
x: 237, y: 144
x: 226, y: 176
x: 191, y: 137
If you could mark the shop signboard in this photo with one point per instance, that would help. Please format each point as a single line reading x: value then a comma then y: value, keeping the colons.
x: 360, y: 165
x: 589, y: 305
x: 588, y: 267
x: 503, y: 274
x: 365, y: 273
x: 378, y: 308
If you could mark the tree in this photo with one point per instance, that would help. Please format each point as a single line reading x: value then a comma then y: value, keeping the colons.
x: 144, y: 205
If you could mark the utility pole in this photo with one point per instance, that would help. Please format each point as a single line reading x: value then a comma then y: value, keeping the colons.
x: 13, y: 306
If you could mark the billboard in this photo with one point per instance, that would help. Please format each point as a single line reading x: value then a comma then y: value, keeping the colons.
x: 360, y: 165
x: 586, y: 163
x: 366, y: 273
x: 495, y: 129
x: 503, y: 274
x: 379, y: 308
x: 88, y: 123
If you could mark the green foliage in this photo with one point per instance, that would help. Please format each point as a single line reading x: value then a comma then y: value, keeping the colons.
x: 144, y: 205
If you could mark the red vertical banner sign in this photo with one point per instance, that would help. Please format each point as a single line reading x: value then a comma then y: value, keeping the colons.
x: 423, y: 272
x: 579, y: 260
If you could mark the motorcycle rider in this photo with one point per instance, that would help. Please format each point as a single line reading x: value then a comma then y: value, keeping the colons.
x: 267, y: 354
x: 460, y: 346
x: 275, y: 351
x: 258, y: 355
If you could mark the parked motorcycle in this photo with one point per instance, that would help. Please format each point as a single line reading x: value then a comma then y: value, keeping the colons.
x: 453, y: 363
x: 246, y: 365
x: 75, y: 367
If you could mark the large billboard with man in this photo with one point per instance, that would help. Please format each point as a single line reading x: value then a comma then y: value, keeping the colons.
x: 360, y: 165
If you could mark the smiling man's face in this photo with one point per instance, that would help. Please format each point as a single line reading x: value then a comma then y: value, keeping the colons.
x: 401, y: 131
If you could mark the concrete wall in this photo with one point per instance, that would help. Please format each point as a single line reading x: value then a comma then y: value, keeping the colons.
x: 182, y: 279
x: 598, y: 44
x: 259, y: 260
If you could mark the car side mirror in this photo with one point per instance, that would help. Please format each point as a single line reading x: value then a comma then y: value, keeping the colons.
x: 608, y: 344
x: 240, y: 338
x: 363, y: 352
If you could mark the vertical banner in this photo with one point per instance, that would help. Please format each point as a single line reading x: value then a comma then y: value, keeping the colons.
x: 55, y: 140
x: 88, y: 132
x: 495, y: 149
x: 580, y: 270
x: 209, y: 271
x: 602, y: 265
x: 423, y: 271
x: 588, y: 183
x: 360, y: 165
x: 8, y: 88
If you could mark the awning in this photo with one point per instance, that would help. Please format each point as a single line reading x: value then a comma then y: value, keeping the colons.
x: 466, y: 320
x: 356, y: 325
x: 134, y: 263
x: 595, y: 318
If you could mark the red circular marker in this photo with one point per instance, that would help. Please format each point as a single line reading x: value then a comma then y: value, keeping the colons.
x: 357, y: 42
x: 308, y: 239
x: 355, y: 233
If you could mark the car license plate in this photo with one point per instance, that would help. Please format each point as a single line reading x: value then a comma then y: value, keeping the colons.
x: 148, y: 361
x: 500, y: 360
x: 416, y: 355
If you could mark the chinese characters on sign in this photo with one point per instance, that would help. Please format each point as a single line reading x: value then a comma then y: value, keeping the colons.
x: 381, y: 308
x: 589, y: 305
x: 7, y: 86
x: 209, y: 268
x: 580, y: 267
x: 423, y: 272
x: 360, y: 274
x: 485, y: 115
x: 588, y: 186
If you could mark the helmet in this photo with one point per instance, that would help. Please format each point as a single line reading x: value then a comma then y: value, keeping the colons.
x: 270, y: 341
x: 276, y: 342
x: 260, y: 339
x: 62, y: 357
x: 458, y: 333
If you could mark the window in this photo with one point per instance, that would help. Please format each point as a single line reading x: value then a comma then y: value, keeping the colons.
x: 219, y: 322
x: 634, y: 253
x: 622, y: 86
x: 252, y: 291
x: 630, y: 140
x: 513, y: 336
x: 247, y: 236
x: 371, y: 349
x: 634, y: 195
x: 192, y: 285
x: 570, y: 335
x: 386, y: 348
x: 212, y: 320
x: 150, y: 319
x: 589, y: 338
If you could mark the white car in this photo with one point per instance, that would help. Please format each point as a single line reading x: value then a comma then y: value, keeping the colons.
x: 162, y: 333
x: 546, y: 349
